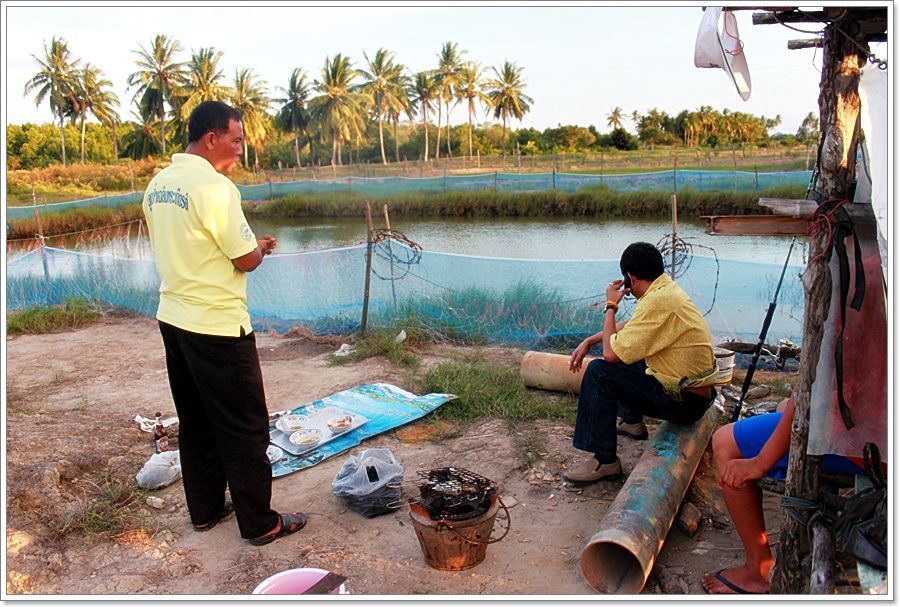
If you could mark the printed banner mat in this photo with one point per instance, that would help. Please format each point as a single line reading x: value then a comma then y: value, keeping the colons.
x: 384, y: 406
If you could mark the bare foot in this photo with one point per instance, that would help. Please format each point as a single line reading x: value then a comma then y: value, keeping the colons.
x: 742, y: 581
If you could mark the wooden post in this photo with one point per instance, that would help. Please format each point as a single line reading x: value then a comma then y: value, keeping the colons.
x: 674, y: 231
x: 387, y: 224
x: 554, y: 178
x: 838, y: 124
x: 756, y: 177
x: 40, y: 239
x: 365, y: 310
x: 822, y: 575
x: 674, y: 174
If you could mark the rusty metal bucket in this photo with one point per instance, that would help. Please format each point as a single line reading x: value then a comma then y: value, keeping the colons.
x: 457, y: 545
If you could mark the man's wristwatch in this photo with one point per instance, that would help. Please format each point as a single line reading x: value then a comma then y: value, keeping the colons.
x: 611, y: 305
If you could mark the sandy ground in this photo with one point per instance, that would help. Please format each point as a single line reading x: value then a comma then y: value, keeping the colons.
x: 72, y: 398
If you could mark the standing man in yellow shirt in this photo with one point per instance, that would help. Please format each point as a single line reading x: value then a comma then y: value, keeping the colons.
x: 659, y: 363
x: 204, y: 249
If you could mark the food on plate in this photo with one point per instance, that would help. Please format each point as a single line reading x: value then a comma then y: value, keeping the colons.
x: 291, y: 423
x: 310, y: 436
x: 340, y: 423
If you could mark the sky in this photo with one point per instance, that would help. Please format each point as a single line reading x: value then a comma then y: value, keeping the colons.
x: 579, y: 60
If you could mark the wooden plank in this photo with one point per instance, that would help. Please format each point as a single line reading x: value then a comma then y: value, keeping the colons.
x: 756, y: 225
x: 860, y: 212
x: 790, y: 206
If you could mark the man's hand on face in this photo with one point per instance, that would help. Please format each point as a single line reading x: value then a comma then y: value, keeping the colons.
x: 615, y: 292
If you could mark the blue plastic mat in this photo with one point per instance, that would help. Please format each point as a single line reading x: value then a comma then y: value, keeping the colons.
x: 385, y: 406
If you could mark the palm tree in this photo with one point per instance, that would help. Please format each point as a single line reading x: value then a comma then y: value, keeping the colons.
x: 159, y: 75
x: 339, y: 108
x: 404, y: 96
x: 293, y: 116
x: 93, y: 95
x: 614, y: 119
x: 55, y: 81
x: 382, y: 83
x: 449, y: 60
x: 250, y: 96
x: 141, y: 141
x: 507, y: 96
x: 425, y: 95
x: 470, y: 89
x: 204, y: 82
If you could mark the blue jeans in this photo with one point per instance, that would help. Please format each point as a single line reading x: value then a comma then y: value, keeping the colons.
x: 611, y: 388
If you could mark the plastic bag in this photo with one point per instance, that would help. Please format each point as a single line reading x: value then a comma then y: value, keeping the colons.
x: 161, y: 470
x: 369, y: 483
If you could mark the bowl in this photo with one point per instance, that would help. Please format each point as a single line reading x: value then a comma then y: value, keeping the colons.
x: 274, y: 453
x: 340, y: 423
x: 304, y: 438
x: 291, y: 423
x: 295, y: 581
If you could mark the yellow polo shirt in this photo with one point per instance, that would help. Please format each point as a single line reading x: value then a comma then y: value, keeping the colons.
x: 196, y: 228
x: 669, y: 333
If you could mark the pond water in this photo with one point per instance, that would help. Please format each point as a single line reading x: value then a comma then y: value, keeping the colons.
x: 582, y: 238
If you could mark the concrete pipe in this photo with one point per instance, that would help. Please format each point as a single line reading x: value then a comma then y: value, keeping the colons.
x: 551, y: 372
x: 619, y: 557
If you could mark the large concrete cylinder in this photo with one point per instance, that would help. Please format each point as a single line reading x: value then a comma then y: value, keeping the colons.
x: 619, y: 557
x: 551, y: 372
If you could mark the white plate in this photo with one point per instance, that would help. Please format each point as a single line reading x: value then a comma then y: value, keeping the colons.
x: 341, y: 423
x: 305, y: 438
x: 291, y: 423
x: 274, y: 453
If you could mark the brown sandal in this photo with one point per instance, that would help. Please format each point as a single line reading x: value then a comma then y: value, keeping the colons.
x: 289, y: 523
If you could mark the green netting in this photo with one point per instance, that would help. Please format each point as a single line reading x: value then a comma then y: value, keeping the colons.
x: 669, y: 180
x: 530, y: 303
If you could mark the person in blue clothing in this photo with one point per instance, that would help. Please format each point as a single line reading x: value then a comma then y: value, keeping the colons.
x: 744, y: 452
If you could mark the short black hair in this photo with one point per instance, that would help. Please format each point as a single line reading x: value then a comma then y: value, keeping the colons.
x: 211, y: 116
x: 643, y: 260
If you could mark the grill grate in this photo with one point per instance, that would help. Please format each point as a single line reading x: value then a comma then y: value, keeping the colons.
x: 455, y: 493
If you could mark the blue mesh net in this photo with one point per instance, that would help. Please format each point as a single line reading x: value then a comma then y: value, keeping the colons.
x: 739, y: 181
x: 529, y: 303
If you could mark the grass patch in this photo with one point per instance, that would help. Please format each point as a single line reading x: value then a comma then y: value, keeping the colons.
x: 75, y: 220
x: 381, y: 343
x: 597, y: 200
x: 111, y: 509
x: 73, y: 314
x: 531, y: 444
x: 488, y: 391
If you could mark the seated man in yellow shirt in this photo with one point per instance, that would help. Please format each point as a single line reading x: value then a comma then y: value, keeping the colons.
x: 659, y: 363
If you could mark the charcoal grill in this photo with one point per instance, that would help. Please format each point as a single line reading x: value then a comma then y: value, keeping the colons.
x: 455, y: 494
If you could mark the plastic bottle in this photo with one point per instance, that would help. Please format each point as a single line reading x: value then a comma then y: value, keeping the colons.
x: 160, y: 435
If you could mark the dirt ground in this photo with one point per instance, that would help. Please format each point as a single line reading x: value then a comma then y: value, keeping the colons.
x: 71, y: 402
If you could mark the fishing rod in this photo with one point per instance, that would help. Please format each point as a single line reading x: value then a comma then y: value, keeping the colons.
x: 762, y: 337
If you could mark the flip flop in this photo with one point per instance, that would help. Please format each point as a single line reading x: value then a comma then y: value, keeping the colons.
x: 290, y: 523
x: 737, y: 589
x: 227, y: 510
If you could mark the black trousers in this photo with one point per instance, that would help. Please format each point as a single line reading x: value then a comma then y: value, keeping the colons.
x: 223, y: 428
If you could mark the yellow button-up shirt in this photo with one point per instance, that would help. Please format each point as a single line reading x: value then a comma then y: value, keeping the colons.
x: 197, y: 227
x: 668, y: 332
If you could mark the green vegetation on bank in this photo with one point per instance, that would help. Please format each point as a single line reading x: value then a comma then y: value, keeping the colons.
x: 592, y: 201
x: 74, y: 314
x: 488, y: 390
x: 74, y: 220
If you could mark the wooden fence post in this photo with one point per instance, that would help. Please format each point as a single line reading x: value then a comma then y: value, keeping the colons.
x: 369, y: 244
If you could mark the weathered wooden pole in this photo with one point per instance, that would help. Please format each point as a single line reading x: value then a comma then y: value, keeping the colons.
x: 369, y: 244
x: 387, y: 224
x: 839, y: 130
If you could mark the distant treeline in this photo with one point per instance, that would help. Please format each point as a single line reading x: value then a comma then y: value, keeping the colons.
x: 374, y: 110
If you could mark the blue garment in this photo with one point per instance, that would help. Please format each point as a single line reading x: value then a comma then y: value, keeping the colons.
x: 751, y: 434
x: 608, y: 388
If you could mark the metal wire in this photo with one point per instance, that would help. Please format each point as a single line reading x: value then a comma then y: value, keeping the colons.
x: 680, y: 263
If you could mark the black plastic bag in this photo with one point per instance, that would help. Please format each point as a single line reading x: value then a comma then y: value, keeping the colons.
x: 861, y: 529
